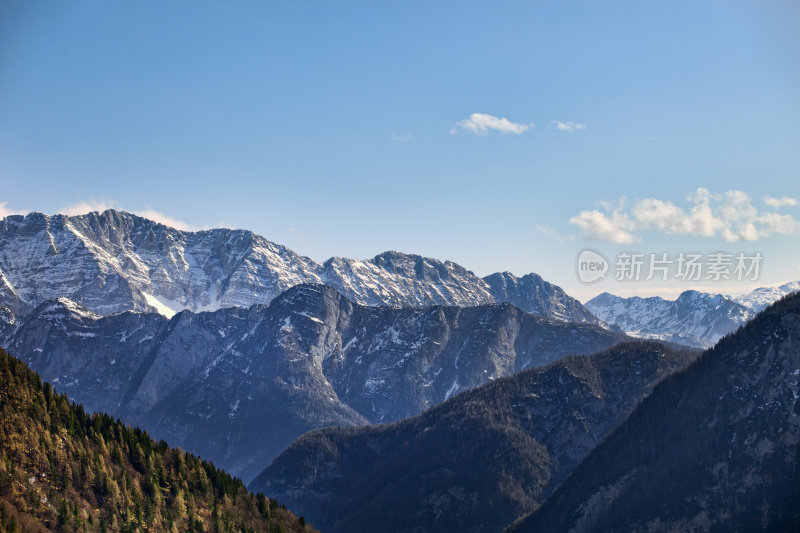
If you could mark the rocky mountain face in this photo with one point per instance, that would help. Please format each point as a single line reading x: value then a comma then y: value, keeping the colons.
x: 713, y: 448
x: 239, y: 385
x: 534, y: 295
x: 476, y: 462
x: 113, y: 261
x: 694, y: 319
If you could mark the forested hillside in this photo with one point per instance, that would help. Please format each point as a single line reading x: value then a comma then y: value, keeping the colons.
x: 64, y: 470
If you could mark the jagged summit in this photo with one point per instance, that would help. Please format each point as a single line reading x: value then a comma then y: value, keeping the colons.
x: 694, y: 318
x: 116, y: 261
x: 534, y: 295
x: 760, y: 298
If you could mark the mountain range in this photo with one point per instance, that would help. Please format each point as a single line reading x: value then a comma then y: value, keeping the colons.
x: 759, y: 299
x: 476, y: 462
x: 694, y: 319
x: 459, y: 402
x: 114, y: 261
x: 715, y: 447
x: 239, y: 385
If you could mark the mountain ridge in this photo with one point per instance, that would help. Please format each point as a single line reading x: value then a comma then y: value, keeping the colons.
x: 205, y: 381
x: 475, y: 462
x: 694, y: 318
x: 115, y: 261
x: 715, y: 446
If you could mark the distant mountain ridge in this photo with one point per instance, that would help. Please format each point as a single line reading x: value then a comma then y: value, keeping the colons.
x: 114, y: 261
x: 760, y: 298
x: 239, y: 385
x: 694, y: 319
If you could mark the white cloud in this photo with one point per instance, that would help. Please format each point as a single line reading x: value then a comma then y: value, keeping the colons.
x: 167, y: 220
x: 481, y: 124
x: 550, y: 233
x: 84, y: 207
x: 402, y: 136
x: 777, y: 203
x: 6, y: 212
x: 729, y: 215
x: 598, y: 226
x: 569, y: 127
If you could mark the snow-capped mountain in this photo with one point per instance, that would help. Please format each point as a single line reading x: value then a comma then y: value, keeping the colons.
x: 693, y: 319
x: 759, y: 299
x: 115, y: 261
x: 238, y: 385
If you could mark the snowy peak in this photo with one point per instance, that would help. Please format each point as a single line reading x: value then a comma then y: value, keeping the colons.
x: 115, y: 261
x: 759, y: 299
x: 695, y: 318
x: 402, y: 280
x: 60, y: 308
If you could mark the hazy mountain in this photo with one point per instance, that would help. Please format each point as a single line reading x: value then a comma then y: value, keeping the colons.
x: 239, y: 385
x: 694, y: 319
x: 760, y: 298
x: 114, y: 261
x: 476, y: 462
x: 713, y: 448
x: 64, y: 470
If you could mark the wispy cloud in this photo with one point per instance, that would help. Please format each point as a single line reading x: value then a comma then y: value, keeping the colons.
x: 729, y: 215
x: 298, y: 234
x: 402, y: 136
x: 777, y: 203
x: 550, y: 233
x: 569, y: 127
x: 167, y: 220
x: 83, y: 207
x: 482, y: 124
x: 6, y: 212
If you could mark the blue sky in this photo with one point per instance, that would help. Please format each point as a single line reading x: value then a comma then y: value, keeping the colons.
x: 349, y: 128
